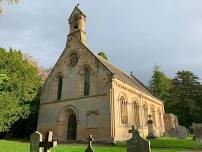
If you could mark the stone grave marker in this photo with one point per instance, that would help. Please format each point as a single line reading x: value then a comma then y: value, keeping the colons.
x: 137, y: 143
x: 90, y: 140
x: 35, y: 139
x: 172, y: 132
x: 197, y: 128
x: 181, y: 132
x: 151, y: 129
x: 48, y: 143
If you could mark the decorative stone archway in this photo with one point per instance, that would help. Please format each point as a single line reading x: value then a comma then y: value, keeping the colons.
x: 67, y: 124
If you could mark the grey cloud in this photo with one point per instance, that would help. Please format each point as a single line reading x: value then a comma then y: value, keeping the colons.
x: 134, y: 34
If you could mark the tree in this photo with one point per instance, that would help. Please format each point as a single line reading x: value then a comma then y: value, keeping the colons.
x: 103, y: 55
x: 9, y: 1
x: 185, y: 98
x: 160, y: 84
x: 19, y: 89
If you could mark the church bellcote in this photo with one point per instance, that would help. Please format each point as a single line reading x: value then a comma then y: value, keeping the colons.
x: 77, y: 22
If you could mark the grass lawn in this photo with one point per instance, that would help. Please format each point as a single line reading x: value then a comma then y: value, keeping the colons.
x: 159, y: 145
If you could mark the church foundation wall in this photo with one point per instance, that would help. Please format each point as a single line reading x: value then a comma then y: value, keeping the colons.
x: 92, y: 114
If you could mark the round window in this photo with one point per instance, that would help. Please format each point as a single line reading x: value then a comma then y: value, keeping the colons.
x: 73, y: 60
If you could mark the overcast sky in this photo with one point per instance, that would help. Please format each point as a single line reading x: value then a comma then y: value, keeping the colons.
x: 135, y: 34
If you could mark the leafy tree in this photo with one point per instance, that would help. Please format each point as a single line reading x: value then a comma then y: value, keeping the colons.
x: 19, y: 89
x: 160, y: 84
x: 9, y: 1
x: 185, y: 98
x: 103, y: 55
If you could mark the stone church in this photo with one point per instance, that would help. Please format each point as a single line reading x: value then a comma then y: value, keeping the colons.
x: 85, y: 94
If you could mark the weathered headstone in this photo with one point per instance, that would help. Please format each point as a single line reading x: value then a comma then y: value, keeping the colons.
x: 151, y: 129
x: 188, y: 131
x: 181, y: 132
x: 35, y: 139
x: 137, y: 143
x: 172, y: 132
x: 48, y: 143
x: 197, y: 128
x: 90, y: 140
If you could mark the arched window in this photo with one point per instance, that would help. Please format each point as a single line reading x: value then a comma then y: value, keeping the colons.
x: 86, y: 81
x: 159, y: 117
x: 153, y: 114
x: 145, y: 109
x: 59, y: 90
x: 124, y: 111
x: 136, y: 118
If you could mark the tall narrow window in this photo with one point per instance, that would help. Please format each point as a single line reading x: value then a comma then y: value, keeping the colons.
x: 136, y: 117
x: 59, y: 92
x: 145, y: 114
x: 86, y: 81
x: 153, y: 113
x: 160, y: 120
x: 124, y: 111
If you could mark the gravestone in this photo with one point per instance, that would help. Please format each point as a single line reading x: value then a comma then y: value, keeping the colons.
x: 181, y: 132
x: 151, y: 129
x: 35, y: 139
x: 90, y: 140
x: 172, y: 132
x: 197, y: 128
x: 48, y: 143
x: 137, y: 143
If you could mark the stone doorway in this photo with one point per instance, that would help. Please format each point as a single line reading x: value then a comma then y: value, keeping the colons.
x: 67, y: 124
x: 72, y: 127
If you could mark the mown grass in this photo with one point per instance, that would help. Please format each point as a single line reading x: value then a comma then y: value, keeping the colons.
x: 159, y: 145
x: 167, y: 142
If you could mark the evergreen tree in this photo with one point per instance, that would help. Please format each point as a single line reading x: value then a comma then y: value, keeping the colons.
x: 160, y: 84
x: 185, y: 98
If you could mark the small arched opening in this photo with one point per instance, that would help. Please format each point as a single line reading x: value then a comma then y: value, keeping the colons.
x: 67, y: 124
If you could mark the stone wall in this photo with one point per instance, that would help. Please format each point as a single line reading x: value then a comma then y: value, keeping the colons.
x: 131, y: 95
x: 171, y: 121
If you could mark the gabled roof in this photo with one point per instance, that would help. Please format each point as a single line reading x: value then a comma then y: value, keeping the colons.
x: 76, y: 10
x: 130, y: 80
x: 119, y: 74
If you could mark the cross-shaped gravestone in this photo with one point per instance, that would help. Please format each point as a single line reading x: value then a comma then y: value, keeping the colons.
x: 134, y: 131
x: 48, y: 143
x: 151, y: 128
x: 90, y: 140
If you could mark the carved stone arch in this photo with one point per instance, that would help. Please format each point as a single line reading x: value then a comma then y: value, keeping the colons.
x: 135, y: 101
x: 153, y: 113
x: 135, y: 111
x: 58, y: 74
x: 81, y: 70
x: 54, y: 83
x: 159, y: 113
x: 145, y: 113
x: 123, y: 102
x: 69, y: 108
x: 123, y: 95
x: 85, y: 85
x: 67, y: 123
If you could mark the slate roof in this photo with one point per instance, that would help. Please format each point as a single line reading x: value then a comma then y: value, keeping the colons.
x: 130, y: 80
